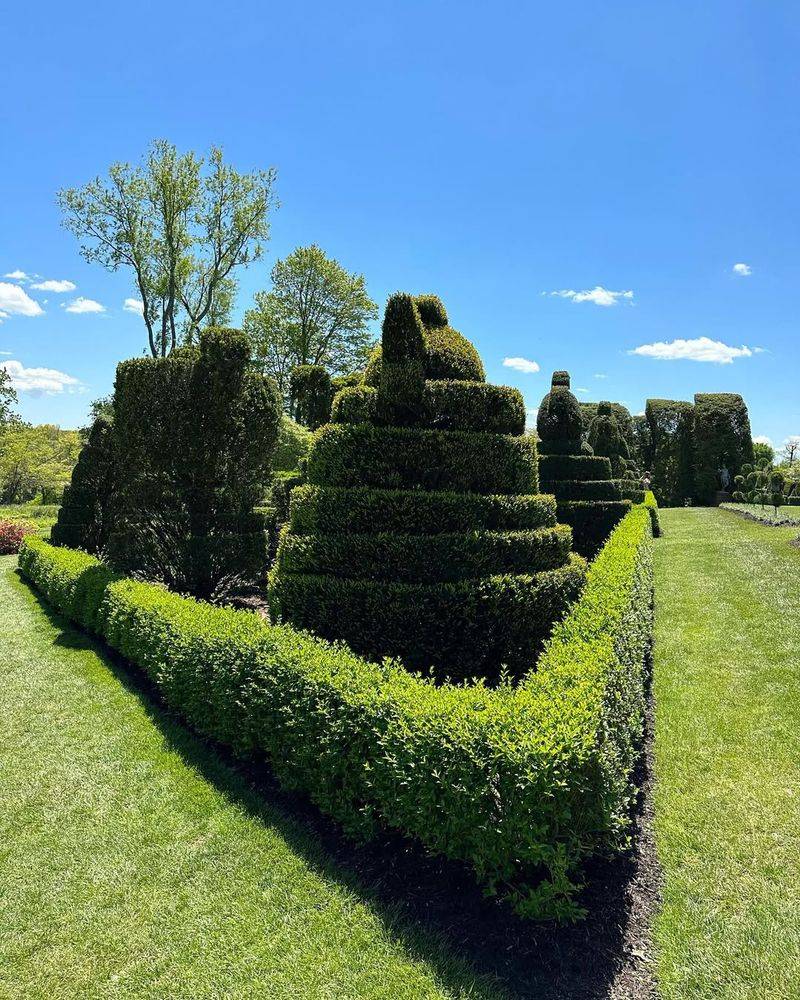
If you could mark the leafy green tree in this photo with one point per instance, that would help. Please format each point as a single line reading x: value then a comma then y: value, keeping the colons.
x: 763, y: 452
x: 316, y: 313
x: 36, y: 462
x: 8, y: 397
x: 180, y: 229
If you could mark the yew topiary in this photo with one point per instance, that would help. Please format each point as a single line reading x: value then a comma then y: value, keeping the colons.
x: 420, y: 533
x: 589, y: 499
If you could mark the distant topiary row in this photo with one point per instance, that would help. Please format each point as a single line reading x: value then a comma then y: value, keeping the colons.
x: 420, y: 532
x: 589, y: 499
x: 691, y: 445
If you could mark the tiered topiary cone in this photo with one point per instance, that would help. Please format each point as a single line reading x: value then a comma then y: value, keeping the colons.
x: 589, y: 499
x: 606, y: 438
x: 420, y: 532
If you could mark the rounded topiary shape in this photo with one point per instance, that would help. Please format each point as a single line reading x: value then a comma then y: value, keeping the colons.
x: 589, y: 499
x: 558, y: 422
x: 447, y: 353
x: 605, y: 438
x: 420, y: 533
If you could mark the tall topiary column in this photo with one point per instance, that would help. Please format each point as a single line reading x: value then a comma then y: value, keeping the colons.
x: 671, y: 425
x: 722, y: 439
x: 195, y: 433
x: 589, y: 499
x: 85, y: 517
x: 420, y: 532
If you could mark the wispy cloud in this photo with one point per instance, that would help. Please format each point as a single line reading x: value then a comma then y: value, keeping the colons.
x: 39, y: 381
x: 134, y: 306
x: 52, y: 285
x: 17, y: 275
x: 521, y: 365
x: 598, y: 295
x: 578, y: 389
x: 15, y: 301
x: 600, y: 375
x: 82, y: 305
x: 743, y: 270
x: 699, y: 349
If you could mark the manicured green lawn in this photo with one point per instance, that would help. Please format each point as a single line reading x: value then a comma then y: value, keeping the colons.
x: 727, y: 687
x: 125, y: 872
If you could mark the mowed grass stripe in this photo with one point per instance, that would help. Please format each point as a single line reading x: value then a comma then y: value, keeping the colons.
x: 727, y: 688
x: 124, y: 872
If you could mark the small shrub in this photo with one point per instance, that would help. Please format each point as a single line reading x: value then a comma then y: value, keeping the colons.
x: 12, y: 534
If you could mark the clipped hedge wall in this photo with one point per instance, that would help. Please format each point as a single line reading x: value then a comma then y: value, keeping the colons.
x: 522, y: 783
x: 413, y: 458
x: 722, y: 439
x: 330, y: 509
x: 671, y: 425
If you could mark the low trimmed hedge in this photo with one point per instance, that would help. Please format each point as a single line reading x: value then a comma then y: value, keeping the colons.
x: 446, y: 405
x: 335, y: 510
x: 413, y: 458
x: 592, y: 521
x: 554, y: 468
x: 521, y: 782
x: 585, y: 489
x: 441, y: 558
x: 651, y: 505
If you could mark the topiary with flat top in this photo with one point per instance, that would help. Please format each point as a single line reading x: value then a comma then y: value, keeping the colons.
x: 420, y: 532
x: 589, y: 499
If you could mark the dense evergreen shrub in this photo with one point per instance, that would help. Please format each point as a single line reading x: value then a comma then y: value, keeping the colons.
x: 419, y: 533
x: 722, y: 439
x: 589, y: 500
x: 625, y: 422
x: 87, y: 511
x: 671, y: 425
x: 196, y: 433
x: 607, y: 439
x: 294, y: 441
x: 311, y: 393
x: 521, y: 783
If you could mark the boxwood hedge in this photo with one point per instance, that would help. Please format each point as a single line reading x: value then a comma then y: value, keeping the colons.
x: 521, y: 782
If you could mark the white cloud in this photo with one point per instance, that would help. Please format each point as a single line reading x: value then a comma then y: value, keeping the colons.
x: 762, y: 439
x: 52, y: 285
x: 521, y: 365
x: 601, y: 376
x: 38, y: 381
x: 531, y: 413
x: 15, y: 301
x: 17, y: 275
x: 134, y: 306
x: 699, y: 349
x: 599, y: 295
x: 743, y: 270
x: 581, y: 390
x: 82, y: 305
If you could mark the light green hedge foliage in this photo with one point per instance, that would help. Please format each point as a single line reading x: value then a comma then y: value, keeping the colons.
x: 521, y: 782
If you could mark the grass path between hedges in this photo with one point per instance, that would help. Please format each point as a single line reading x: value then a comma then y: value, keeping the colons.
x: 124, y: 872
x: 727, y: 689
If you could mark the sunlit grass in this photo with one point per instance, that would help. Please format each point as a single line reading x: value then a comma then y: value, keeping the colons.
x: 727, y: 687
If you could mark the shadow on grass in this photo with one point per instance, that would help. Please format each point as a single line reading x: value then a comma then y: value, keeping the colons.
x: 430, y: 905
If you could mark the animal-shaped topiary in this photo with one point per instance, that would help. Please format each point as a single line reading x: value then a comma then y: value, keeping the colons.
x: 420, y: 532
x: 589, y: 499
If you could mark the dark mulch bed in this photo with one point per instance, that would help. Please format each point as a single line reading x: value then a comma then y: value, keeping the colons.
x: 608, y: 956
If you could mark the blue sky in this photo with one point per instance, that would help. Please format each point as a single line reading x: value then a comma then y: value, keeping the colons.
x: 488, y: 153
